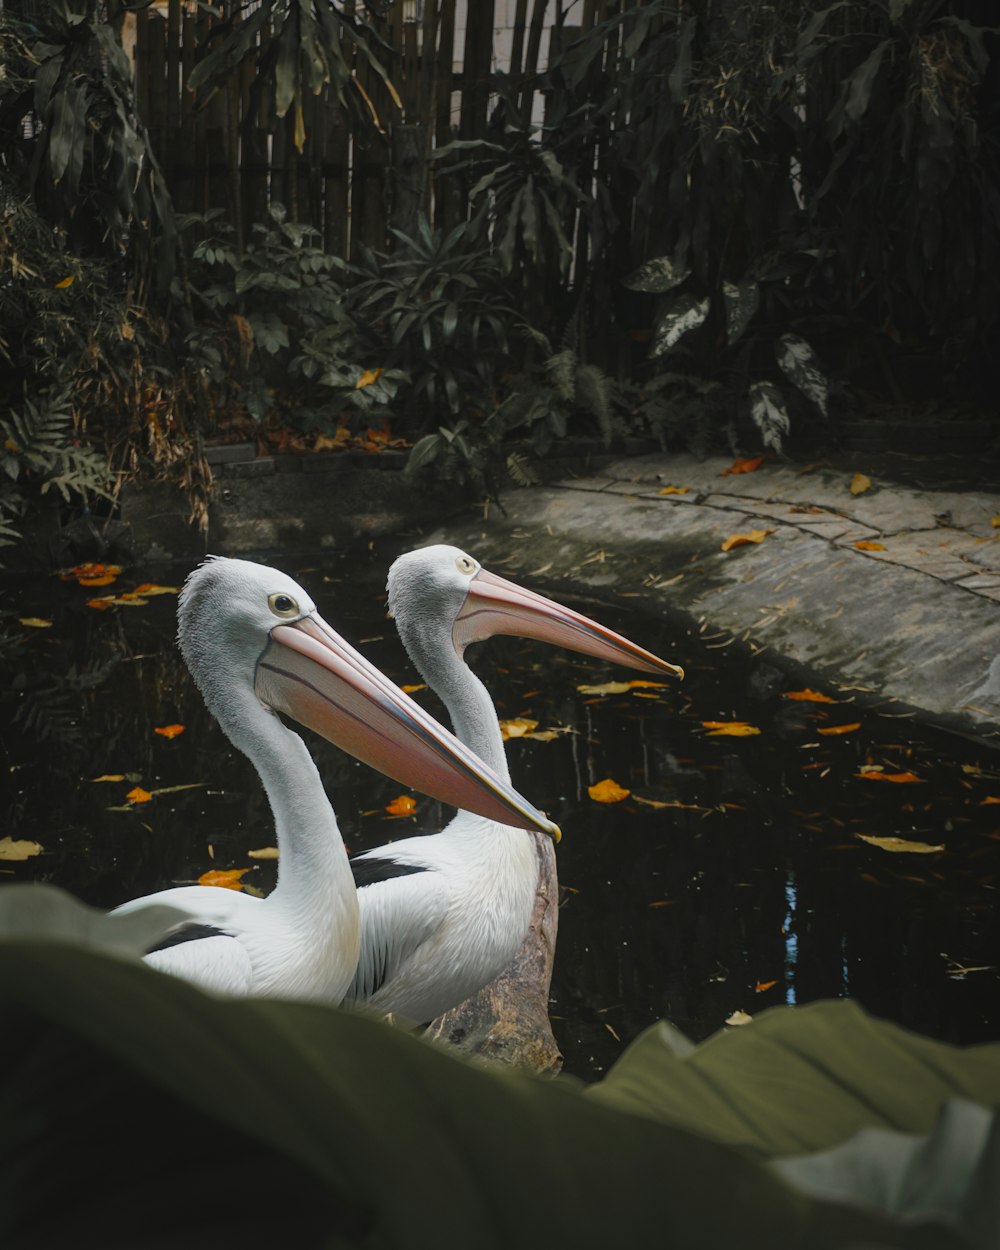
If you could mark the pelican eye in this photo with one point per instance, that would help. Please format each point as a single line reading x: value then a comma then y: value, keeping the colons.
x: 465, y: 564
x: 283, y: 605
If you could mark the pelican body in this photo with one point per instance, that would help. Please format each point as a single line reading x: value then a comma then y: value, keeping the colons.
x: 443, y: 914
x: 256, y: 646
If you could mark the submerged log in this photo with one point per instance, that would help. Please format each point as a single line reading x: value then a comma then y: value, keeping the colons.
x: 508, y: 1020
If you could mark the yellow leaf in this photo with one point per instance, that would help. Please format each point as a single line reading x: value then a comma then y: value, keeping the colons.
x: 413, y: 689
x: 761, y: 986
x: 227, y: 878
x: 657, y: 803
x: 739, y: 1017
x: 859, y: 484
x: 63, y: 284
x: 169, y: 731
x: 367, y: 378
x: 109, y: 777
x: 545, y: 735
x: 900, y: 844
x: 996, y: 520
x: 841, y: 729
x: 739, y: 540
x: 608, y: 791
x: 138, y: 795
x: 744, y: 466
x: 35, y: 622
x: 102, y: 604
x: 807, y: 696
x: 265, y: 852
x: 18, y: 849
x: 517, y: 727
x: 875, y: 775
x: 104, y: 579
x: 990, y: 798
x: 729, y: 728
x: 404, y: 805
x: 622, y: 687
x: 863, y: 544
x: 673, y: 490
x: 150, y: 588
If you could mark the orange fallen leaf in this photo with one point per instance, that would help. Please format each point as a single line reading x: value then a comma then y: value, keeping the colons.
x: 608, y: 791
x: 109, y: 777
x: 17, y: 849
x: 104, y: 579
x: 63, y: 283
x: 883, y: 776
x: 661, y: 902
x: 729, y: 728
x: 102, y: 604
x: 744, y: 466
x: 859, y: 484
x: 367, y: 378
x: 517, y: 727
x: 863, y: 544
x: 150, y: 588
x: 807, y: 696
x: 900, y: 844
x: 35, y: 622
x: 169, y: 731
x: 761, y: 986
x: 404, y: 805
x: 413, y: 689
x: 227, y: 878
x: 673, y: 490
x: 990, y: 798
x: 740, y: 540
x: 138, y: 795
x: 840, y: 729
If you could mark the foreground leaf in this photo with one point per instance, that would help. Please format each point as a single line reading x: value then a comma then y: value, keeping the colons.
x: 44, y: 912
x: 900, y: 844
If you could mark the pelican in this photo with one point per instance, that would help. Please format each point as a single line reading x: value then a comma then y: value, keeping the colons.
x: 256, y: 646
x: 443, y: 914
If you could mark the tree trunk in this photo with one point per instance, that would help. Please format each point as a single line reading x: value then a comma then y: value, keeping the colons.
x: 508, y: 1020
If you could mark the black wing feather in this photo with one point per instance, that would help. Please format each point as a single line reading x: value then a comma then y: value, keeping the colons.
x: 188, y: 933
x: 371, y: 870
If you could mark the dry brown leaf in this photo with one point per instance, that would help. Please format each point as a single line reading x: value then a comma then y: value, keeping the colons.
x: 859, y: 484
x: 729, y: 729
x: 264, y: 852
x: 874, y: 775
x: 807, y: 696
x: 608, y: 791
x: 744, y: 466
x: 740, y: 540
x: 403, y: 805
x: 739, y: 1017
x: 622, y: 687
x: 35, y: 622
x: 657, y: 803
x: 16, y: 849
x: 168, y: 731
x: 841, y: 729
x: 864, y: 544
x: 900, y: 844
x: 109, y: 777
x: 673, y: 490
x: 227, y: 878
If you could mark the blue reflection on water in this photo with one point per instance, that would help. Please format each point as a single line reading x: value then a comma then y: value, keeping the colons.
x: 791, y: 941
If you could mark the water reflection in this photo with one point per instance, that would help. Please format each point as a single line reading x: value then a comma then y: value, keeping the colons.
x: 730, y: 879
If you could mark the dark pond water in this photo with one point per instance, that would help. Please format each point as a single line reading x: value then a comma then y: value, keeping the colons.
x: 732, y: 878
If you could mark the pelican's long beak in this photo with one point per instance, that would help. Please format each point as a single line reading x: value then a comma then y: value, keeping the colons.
x: 311, y: 674
x: 496, y: 606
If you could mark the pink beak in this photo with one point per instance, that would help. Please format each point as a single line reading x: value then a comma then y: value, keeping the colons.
x: 311, y: 674
x: 495, y: 606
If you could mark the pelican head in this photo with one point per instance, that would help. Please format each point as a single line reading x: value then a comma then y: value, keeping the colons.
x: 445, y: 583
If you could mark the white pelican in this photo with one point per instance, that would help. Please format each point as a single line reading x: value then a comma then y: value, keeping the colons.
x: 443, y: 914
x: 256, y: 646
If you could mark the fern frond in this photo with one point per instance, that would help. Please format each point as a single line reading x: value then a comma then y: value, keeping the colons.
x: 561, y: 369
x: 593, y: 394
x: 521, y: 470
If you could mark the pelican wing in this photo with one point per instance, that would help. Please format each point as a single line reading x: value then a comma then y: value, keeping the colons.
x: 219, y: 964
x: 402, y: 906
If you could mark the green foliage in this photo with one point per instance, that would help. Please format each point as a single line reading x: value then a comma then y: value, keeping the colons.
x: 340, y: 1099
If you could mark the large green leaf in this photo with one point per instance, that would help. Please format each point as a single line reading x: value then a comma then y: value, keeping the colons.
x: 798, y: 1079
x: 424, y: 1149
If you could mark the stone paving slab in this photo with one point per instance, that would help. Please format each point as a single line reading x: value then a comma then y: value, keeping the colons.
x: 918, y: 622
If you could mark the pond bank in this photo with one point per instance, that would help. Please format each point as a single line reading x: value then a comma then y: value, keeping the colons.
x: 892, y: 594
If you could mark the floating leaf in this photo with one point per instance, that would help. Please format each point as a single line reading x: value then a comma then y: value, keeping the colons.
x: 35, y: 622
x: 864, y: 544
x: 875, y: 775
x: 16, y: 849
x: 149, y: 589
x: 761, y: 986
x: 859, y: 484
x: 729, y: 729
x: 517, y: 727
x: 807, y: 696
x: 264, y: 852
x: 227, y: 878
x: 105, y: 579
x: 739, y: 1017
x: 622, y: 687
x: 403, y: 805
x: 413, y: 689
x: 102, y: 604
x: 657, y: 803
x: 109, y: 777
x: 841, y: 729
x: 990, y: 798
x: 750, y: 465
x: 138, y: 795
x: 900, y: 844
x: 169, y: 731
x: 546, y: 735
x: 739, y: 540
x: 608, y: 791
x: 673, y: 490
